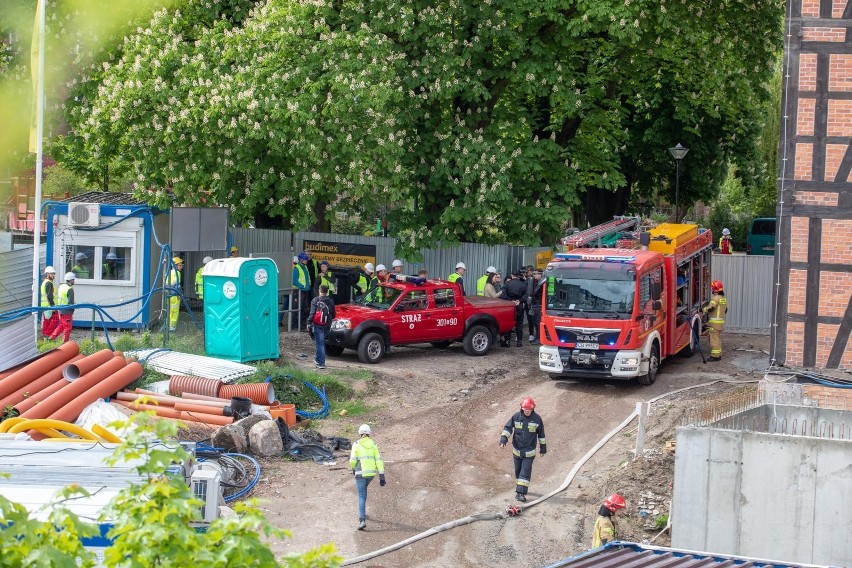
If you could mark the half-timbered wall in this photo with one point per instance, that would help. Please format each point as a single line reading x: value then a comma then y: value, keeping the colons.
x: 813, y: 302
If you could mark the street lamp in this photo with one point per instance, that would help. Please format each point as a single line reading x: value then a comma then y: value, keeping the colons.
x: 678, y: 152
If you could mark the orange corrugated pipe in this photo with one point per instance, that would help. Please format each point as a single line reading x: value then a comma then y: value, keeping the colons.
x: 206, y: 418
x: 95, y: 389
x: 258, y: 393
x: 200, y: 409
x: 34, y: 388
x: 37, y: 368
x: 222, y: 401
x: 199, y: 385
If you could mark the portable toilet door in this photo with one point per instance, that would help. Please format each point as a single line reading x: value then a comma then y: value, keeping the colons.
x: 241, y: 308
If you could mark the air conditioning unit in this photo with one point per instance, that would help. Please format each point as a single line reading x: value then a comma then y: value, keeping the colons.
x: 84, y: 214
x: 205, y: 487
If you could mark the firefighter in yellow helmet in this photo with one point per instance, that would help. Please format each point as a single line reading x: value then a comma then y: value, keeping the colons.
x: 604, y: 525
x: 716, y: 309
x: 173, y: 281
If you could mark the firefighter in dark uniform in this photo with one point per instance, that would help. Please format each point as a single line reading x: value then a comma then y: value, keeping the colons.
x: 526, y: 428
x: 717, y: 308
x: 516, y: 291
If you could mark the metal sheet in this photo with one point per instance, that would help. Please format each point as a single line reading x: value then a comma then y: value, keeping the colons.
x: 174, y: 363
x: 748, y: 287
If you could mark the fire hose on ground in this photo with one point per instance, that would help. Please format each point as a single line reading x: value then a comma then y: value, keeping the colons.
x: 486, y: 516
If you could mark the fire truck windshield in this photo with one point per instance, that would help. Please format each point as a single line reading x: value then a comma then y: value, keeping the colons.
x: 590, y: 290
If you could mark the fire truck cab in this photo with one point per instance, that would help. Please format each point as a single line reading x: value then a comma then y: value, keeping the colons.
x: 618, y: 312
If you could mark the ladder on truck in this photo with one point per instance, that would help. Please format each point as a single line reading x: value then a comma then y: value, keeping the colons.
x: 605, y: 235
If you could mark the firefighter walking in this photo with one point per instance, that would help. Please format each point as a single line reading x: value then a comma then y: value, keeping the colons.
x: 526, y: 428
x: 716, y: 309
x: 605, y: 525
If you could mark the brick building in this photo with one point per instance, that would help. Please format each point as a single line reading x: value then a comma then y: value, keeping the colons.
x: 813, y: 303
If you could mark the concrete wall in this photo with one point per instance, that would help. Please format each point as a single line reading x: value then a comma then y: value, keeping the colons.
x: 763, y: 495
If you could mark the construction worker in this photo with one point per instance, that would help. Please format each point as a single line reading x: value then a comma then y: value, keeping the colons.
x: 525, y: 428
x: 199, y: 279
x: 365, y: 462
x: 80, y: 268
x: 109, y: 269
x: 480, y: 283
x: 396, y: 267
x: 235, y: 252
x: 716, y: 308
x: 516, y: 291
x: 362, y: 283
x: 65, y: 297
x: 726, y: 244
x: 49, y: 318
x: 458, y: 276
x: 173, y: 281
x: 604, y: 525
x: 325, y: 277
x: 382, y: 273
x: 302, y: 283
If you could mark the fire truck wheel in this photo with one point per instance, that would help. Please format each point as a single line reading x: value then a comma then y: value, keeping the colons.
x: 477, y: 341
x: 371, y: 348
x: 690, y: 349
x: 334, y: 349
x: 653, y: 366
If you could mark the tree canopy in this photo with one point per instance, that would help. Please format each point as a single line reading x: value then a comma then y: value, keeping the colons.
x: 466, y: 119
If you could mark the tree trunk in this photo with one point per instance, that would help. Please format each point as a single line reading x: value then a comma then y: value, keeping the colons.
x: 603, y: 204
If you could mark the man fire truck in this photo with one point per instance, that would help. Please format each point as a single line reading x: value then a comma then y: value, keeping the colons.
x: 618, y: 312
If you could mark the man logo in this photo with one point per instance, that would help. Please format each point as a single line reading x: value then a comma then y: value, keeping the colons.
x: 587, y: 337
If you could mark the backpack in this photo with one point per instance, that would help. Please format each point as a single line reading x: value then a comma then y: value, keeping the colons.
x: 321, y: 313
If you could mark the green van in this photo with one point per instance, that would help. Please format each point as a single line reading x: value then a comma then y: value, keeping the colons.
x: 761, y: 236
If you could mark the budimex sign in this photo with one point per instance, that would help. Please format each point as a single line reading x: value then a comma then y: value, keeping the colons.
x: 341, y: 254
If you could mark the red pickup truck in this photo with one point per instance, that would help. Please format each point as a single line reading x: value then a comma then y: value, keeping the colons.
x: 418, y: 311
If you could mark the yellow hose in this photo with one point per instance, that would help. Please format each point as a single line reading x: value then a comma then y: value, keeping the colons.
x: 105, y: 434
x: 56, y: 424
x: 51, y: 433
x: 9, y: 422
x: 78, y: 440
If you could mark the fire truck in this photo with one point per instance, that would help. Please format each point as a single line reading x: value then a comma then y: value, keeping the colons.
x: 618, y: 312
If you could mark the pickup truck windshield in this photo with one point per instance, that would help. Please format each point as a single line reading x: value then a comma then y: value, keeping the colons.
x: 583, y: 292
x: 379, y: 298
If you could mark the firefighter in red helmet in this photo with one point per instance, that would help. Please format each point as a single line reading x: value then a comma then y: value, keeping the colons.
x: 716, y: 309
x: 526, y: 428
x: 604, y: 525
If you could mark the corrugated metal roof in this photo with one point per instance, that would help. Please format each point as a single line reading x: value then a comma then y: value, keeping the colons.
x: 631, y: 555
x: 17, y: 338
x: 105, y: 197
x: 175, y: 363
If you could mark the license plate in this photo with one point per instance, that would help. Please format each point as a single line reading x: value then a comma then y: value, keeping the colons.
x: 593, y: 346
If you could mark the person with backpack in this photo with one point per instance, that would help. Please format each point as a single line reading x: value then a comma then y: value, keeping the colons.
x: 319, y: 322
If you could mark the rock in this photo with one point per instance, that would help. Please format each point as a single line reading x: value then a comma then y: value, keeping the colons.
x: 265, y: 440
x: 231, y: 437
x: 227, y: 512
x: 249, y: 421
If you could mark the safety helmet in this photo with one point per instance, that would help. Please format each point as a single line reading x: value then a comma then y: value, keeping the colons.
x: 70, y: 277
x: 369, y: 267
x: 111, y: 256
x: 726, y: 232
x: 716, y: 286
x: 177, y: 260
x: 304, y: 256
x: 81, y: 256
x: 295, y: 259
x: 615, y: 502
x: 325, y: 262
x: 49, y: 270
x: 365, y: 430
x: 528, y: 403
x: 207, y: 259
x: 491, y: 270
x: 235, y: 249
x: 461, y: 265
x: 381, y: 267
x: 396, y: 263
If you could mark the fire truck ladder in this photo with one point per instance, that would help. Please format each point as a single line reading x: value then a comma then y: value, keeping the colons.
x: 596, y: 235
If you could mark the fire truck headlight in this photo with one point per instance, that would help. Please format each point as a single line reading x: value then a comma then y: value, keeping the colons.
x: 630, y: 361
x: 341, y: 324
x: 545, y: 356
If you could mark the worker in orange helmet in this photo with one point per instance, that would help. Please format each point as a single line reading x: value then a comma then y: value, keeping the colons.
x: 526, y: 428
x: 604, y: 525
x: 716, y: 309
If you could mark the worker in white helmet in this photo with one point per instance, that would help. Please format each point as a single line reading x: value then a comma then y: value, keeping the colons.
x: 65, y: 297
x: 365, y: 463
x: 109, y: 270
x: 396, y: 267
x: 382, y: 273
x: 199, y: 279
x: 480, y: 283
x: 458, y: 276
x: 81, y: 265
x: 47, y: 293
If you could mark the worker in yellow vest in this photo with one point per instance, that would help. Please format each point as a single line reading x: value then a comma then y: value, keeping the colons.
x: 49, y: 318
x: 65, y: 297
x: 458, y: 276
x: 480, y: 284
x: 199, y: 279
x: 173, y: 281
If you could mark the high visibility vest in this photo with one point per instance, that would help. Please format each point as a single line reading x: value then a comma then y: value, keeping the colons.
x: 328, y: 280
x: 365, y: 458
x: 199, y: 284
x: 301, y: 277
x: 174, y: 278
x: 480, y: 285
x: 45, y: 302
x: 63, y: 297
x: 717, y: 308
x: 604, y: 531
x: 454, y: 276
x: 361, y: 283
x: 726, y: 245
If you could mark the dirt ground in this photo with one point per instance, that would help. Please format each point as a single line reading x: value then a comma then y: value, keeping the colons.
x: 437, y: 415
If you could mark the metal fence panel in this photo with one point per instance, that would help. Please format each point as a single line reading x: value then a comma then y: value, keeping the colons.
x: 748, y: 287
x: 18, y: 338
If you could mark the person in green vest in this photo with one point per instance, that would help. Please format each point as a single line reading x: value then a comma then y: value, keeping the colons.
x: 366, y: 463
x: 80, y: 269
x: 65, y: 297
x: 49, y: 318
x: 480, y: 283
x: 362, y: 283
x: 109, y: 270
x: 302, y: 284
x: 458, y: 276
x: 199, y: 281
x: 325, y: 277
x: 174, y: 281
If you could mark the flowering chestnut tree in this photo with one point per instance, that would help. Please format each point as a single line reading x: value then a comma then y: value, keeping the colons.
x: 467, y: 119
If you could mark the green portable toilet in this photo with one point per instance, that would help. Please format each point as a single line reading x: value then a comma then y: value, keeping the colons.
x: 241, y: 308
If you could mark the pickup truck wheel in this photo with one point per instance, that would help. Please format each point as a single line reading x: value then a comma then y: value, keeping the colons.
x: 334, y: 349
x: 653, y: 366
x: 441, y: 344
x: 477, y: 341
x: 371, y: 348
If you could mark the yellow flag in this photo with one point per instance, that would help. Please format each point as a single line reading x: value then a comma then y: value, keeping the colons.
x: 34, y: 64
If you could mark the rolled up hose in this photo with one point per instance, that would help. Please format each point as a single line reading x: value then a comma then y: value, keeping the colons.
x: 9, y: 422
x: 41, y: 423
x: 321, y: 413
